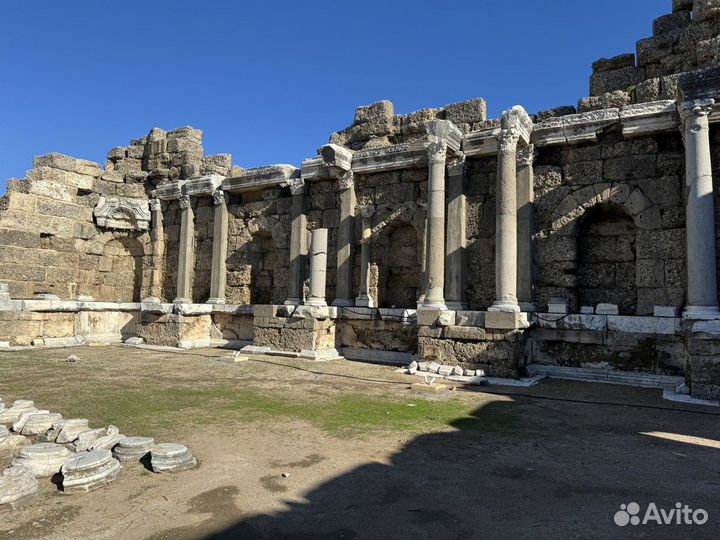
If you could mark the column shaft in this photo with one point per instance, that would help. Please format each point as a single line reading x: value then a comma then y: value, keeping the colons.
x: 186, y: 258
x: 298, y: 245
x: 364, y: 299
x: 435, y: 253
x: 218, y: 278
x: 525, y: 200
x: 700, y: 212
x: 343, y: 287
x: 506, y: 224
x: 455, y: 243
x: 318, y: 267
x: 157, y: 237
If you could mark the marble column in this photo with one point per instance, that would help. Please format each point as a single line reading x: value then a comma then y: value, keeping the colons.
x: 525, y: 200
x: 343, y: 287
x: 157, y: 238
x: 218, y: 277
x: 506, y: 223
x: 702, y: 300
x: 435, y: 252
x: 455, y: 237
x: 298, y: 243
x: 186, y: 258
x: 364, y: 299
x: 318, y: 267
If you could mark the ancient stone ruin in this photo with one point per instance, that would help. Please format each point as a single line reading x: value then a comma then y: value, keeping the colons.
x: 576, y: 241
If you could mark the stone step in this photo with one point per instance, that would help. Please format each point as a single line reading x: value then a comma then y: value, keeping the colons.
x: 378, y: 357
x: 606, y: 375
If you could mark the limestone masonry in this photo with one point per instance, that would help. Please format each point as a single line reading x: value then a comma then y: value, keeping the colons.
x: 576, y: 241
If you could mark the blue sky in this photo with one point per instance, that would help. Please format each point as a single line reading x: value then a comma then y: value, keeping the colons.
x: 269, y: 81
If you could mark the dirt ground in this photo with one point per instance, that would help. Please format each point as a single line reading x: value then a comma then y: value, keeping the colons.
x: 365, y: 455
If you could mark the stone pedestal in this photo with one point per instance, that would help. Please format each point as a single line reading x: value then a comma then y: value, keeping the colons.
x: 455, y: 237
x: 318, y: 268
x: 298, y: 243
x: 364, y: 299
x: 219, y: 254
x: 702, y: 300
x: 186, y: 257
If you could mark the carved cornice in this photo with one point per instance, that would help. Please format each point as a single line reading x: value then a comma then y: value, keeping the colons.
x: 122, y: 213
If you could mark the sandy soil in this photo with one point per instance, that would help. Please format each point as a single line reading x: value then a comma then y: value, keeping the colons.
x: 533, y: 463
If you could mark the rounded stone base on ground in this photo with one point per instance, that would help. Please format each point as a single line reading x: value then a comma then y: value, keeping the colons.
x: 171, y: 457
x: 43, y: 459
x: 20, y: 406
x: 71, y: 428
x: 133, y: 448
x: 87, y: 471
x: 17, y: 484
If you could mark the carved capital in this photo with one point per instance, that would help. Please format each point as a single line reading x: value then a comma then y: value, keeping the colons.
x: 366, y: 212
x: 219, y: 197
x: 696, y: 107
x: 525, y: 155
x: 155, y: 205
x: 297, y: 186
x: 437, y: 149
x: 184, y: 201
x: 456, y: 166
x: 345, y: 181
x: 507, y: 140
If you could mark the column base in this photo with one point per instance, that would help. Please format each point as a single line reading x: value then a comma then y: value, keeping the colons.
x: 706, y: 313
x: 293, y: 302
x: 215, y: 301
x: 505, y: 306
x: 434, y: 305
x: 528, y: 307
x: 181, y: 300
x: 316, y: 302
x: 343, y: 302
x: 365, y: 301
x: 457, y: 306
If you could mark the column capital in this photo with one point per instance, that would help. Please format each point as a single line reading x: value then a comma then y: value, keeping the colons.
x: 695, y: 108
x: 297, y: 186
x: 219, y: 197
x: 456, y: 165
x: 345, y: 180
x: 526, y: 155
x: 508, y: 140
x: 184, y: 201
x: 437, y: 150
x: 155, y: 205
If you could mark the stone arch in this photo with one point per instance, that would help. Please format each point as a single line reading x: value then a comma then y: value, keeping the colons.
x: 120, y: 272
x: 606, y: 257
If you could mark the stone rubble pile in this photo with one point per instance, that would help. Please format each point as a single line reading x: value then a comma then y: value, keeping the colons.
x: 87, y: 458
x: 86, y: 471
x: 444, y: 371
x: 171, y: 457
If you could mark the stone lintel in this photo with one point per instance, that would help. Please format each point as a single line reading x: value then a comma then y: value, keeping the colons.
x: 114, y: 212
x: 481, y: 143
x: 261, y: 178
x: 337, y: 157
x: 574, y: 128
x: 168, y: 191
x: 649, y: 118
x: 315, y: 169
x: 203, y: 186
x: 399, y: 156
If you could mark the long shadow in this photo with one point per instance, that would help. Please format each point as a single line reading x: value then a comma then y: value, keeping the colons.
x: 514, y: 469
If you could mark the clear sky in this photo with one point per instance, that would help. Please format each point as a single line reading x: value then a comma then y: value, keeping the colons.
x: 269, y: 81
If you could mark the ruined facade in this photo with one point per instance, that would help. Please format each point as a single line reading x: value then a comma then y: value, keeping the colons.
x: 575, y: 238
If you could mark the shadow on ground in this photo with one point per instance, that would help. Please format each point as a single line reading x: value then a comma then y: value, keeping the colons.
x: 514, y: 469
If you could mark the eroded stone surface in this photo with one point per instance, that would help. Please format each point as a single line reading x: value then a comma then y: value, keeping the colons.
x: 42, y: 459
x: 171, y: 457
x: 131, y: 449
x: 17, y: 484
x: 87, y: 471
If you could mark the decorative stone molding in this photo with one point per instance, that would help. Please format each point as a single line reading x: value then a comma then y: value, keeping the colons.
x: 272, y: 176
x: 456, y: 166
x: 525, y: 155
x: 155, y: 205
x: 517, y: 123
x: 649, y: 118
x: 346, y: 181
x: 122, y: 213
x: 203, y: 185
x: 297, y: 186
x: 437, y: 151
x: 338, y: 157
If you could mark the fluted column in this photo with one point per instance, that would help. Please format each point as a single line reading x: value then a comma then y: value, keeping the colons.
x: 298, y: 243
x: 343, y: 286
x: 364, y: 299
x: 186, y: 256
x: 525, y: 200
x: 318, y: 267
x: 702, y: 300
x: 157, y: 238
x: 455, y: 242
x: 218, y: 277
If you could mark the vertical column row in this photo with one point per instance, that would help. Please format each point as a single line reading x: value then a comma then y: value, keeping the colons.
x: 298, y: 243
x: 218, y: 277
x: 186, y: 255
